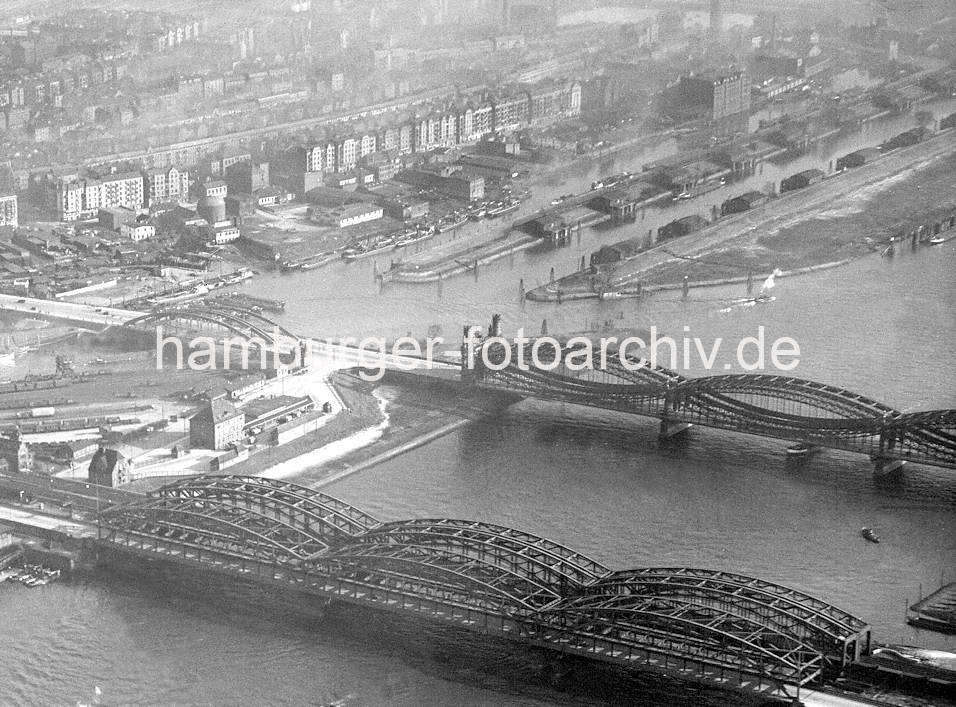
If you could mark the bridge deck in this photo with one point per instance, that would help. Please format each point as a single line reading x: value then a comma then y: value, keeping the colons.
x: 711, y: 627
x: 767, y: 405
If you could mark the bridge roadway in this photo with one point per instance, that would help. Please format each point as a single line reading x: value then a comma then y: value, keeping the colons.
x: 810, y: 413
x: 711, y: 627
x: 244, y: 323
x: 68, y: 311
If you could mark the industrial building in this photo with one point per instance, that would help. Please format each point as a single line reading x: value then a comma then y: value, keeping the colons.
x: 216, y: 425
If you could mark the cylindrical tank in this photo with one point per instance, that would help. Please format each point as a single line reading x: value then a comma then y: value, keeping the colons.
x: 212, y: 208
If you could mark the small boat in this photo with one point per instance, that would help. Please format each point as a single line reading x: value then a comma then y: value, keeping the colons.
x: 451, y: 223
x: 870, y: 535
x: 936, y: 240
x: 798, y: 450
x: 504, y: 209
x: 367, y: 251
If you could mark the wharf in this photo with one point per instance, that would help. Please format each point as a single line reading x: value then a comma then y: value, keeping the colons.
x: 937, y: 612
x: 924, y: 673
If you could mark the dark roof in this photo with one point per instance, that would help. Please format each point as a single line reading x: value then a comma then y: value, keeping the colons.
x: 105, y: 460
x: 693, y: 221
x: 627, y: 248
x: 751, y: 196
x: 218, y: 410
x: 255, y: 409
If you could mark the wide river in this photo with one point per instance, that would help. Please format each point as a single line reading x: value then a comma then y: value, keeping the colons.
x: 599, y: 483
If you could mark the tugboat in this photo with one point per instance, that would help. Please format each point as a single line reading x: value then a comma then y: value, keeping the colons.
x: 870, y: 535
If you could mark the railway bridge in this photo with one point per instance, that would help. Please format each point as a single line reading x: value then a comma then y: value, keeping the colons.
x: 705, y: 626
x: 808, y: 413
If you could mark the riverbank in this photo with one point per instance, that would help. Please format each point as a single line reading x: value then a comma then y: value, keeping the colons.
x: 360, y: 413
x: 418, y: 412
x: 797, y: 232
x: 380, y: 420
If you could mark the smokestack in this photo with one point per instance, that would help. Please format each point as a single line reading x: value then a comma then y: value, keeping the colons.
x: 506, y: 13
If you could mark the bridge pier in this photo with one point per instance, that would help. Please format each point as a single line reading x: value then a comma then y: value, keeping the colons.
x: 884, y: 468
x: 669, y: 429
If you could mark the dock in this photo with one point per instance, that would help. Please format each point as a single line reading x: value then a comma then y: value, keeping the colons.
x: 936, y: 612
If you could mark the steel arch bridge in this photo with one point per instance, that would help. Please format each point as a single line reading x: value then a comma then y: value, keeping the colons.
x: 699, y: 625
x: 246, y: 325
x: 776, y: 406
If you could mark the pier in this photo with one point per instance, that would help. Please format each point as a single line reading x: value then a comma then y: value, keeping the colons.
x: 937, y: 612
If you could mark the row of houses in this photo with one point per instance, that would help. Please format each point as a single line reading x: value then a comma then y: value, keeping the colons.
x: 444, y: 127
x: 81, y: 196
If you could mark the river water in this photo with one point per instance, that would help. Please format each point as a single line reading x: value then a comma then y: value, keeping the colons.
x: 598, y: 482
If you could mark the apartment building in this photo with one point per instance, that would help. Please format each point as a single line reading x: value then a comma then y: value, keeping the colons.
x: 8, y: 210
x: 83, y: 197
x: 163, y: 185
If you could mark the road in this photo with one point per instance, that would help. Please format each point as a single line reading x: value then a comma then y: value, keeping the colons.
x: 85, y: 313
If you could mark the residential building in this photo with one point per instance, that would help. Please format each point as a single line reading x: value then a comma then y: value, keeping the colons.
x: 82, y: 197
x: 8, y: 210
x: 554, y: 101
x: 228, y: 156
x: 15, y: 452
x: 164, y: 185
x: 137, y: 231
x: 124, y: 189
x: 109, y: 467
x: 511, y: 112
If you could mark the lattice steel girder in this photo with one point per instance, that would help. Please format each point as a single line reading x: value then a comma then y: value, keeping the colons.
x: 700, y: 630
x: 224, y: 525
x: 538, y: 559
x: 824, y: 396
x: 755, y: 404
x: 838, y: 618
x: 775, y: 612
x: 213, y: 306
x: 941, y: 420
x: 409, y: 561
x: 233, y: 324
x: 297, y: 505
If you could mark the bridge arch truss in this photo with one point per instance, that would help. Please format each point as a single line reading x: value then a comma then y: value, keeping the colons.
x: 768, y: 405
x: 697, y: 624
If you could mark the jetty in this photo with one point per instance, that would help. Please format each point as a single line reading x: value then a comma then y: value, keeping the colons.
x: 936, y: 612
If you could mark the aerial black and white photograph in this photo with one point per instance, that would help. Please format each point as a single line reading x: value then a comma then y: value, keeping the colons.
x: 478, y: 353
